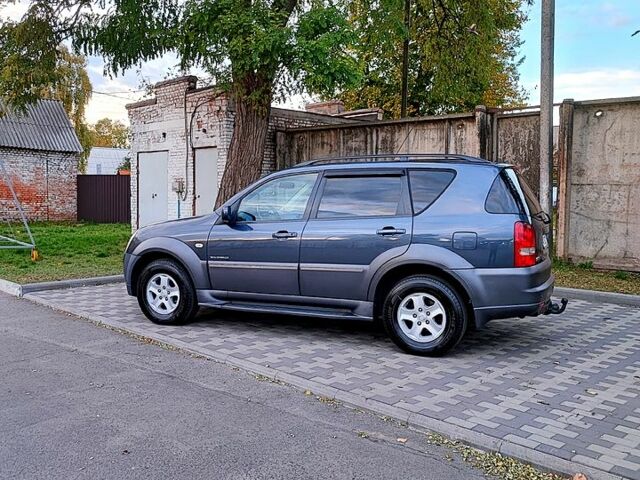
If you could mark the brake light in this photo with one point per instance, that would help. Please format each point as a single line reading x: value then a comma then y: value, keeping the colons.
x: 524, y: 245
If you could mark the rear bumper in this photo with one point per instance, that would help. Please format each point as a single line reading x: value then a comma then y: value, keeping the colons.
x: 508, y: 292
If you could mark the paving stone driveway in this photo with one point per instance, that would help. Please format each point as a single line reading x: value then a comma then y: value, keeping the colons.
x: 566, y: 386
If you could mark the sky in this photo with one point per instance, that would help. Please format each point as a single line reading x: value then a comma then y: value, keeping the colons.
x: 595, y: 57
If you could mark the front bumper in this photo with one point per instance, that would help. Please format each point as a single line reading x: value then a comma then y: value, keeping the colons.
x: 130, y: 261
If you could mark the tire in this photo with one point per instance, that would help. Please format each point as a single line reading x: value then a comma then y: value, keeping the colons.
x: 179, y: 303
x: 407, y: 315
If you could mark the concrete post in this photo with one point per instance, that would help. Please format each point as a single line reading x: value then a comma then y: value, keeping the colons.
x: 546, y: 106
x: 483, y: 127
x: 565, y: 146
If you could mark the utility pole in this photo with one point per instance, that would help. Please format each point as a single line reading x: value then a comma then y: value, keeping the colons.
x: 546, y: 106
x: 405, y: 59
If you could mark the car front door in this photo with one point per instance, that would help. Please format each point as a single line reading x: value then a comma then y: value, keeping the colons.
x: 259, y: 253
x: 360, y: 219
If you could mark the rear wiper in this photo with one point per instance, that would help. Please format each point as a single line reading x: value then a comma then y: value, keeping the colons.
x: 544, y: 216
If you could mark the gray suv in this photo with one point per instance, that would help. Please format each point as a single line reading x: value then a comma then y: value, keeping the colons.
x: 431, y: 245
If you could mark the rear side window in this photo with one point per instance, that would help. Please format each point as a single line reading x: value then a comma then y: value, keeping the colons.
x: 427, y: 186
x: 501, y: 197
x: 361, y: 197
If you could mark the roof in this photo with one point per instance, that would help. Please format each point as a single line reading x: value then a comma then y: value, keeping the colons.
x: 401, y: 157
x: 44, y: 126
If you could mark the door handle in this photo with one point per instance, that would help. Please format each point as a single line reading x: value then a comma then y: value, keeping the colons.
x: 284, y: 234
x: 388, y: 231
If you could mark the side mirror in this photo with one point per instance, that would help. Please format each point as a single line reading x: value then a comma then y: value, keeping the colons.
x: 228, y: 215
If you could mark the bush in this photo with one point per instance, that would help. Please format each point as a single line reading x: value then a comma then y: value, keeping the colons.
x: 621, y: 275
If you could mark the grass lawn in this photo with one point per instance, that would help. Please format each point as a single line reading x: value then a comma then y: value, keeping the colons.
x: 68, y: 250
x: 584, y: 276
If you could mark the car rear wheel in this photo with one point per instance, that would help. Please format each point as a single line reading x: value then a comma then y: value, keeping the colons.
x: 424, y: 315
x: 165, y: 293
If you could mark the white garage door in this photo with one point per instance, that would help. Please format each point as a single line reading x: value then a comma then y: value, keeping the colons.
x: 153, y: 187
x: 206, y: 179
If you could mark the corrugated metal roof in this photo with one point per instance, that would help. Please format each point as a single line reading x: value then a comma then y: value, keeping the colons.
x: 44, y: 126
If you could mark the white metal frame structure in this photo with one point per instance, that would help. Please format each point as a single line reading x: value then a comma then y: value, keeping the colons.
x: 9, y: 242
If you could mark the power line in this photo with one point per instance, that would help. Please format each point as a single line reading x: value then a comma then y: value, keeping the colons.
x: 114, y: 94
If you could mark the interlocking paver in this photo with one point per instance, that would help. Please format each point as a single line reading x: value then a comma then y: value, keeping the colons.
x: 567, y: 385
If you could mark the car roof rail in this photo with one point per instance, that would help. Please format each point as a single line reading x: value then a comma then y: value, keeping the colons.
x: 394, y: 157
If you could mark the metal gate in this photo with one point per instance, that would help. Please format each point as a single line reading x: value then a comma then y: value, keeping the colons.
x: 104, y: 198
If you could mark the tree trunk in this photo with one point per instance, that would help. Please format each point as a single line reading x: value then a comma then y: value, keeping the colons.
x: 244, y: 160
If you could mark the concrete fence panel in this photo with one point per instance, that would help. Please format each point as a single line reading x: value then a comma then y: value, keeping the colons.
x: 518, y: 143
x: 600, y: 173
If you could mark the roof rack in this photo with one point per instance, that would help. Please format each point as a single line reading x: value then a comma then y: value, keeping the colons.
x: 394, y: 157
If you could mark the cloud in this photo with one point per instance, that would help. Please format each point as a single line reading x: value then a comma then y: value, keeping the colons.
x: 613, y: 16
x: 596, y: 84
x: 14, y: 11
x: 590, y: 85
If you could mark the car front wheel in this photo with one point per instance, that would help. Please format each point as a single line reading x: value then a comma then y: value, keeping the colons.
x: 424, y: 315
x: 165, y: 293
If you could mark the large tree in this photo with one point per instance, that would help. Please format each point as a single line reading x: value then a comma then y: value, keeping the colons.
x: 257, y: 50
x: 109, y: 133
x: 462, y: 53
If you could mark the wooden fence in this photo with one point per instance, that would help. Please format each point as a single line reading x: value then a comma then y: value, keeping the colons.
x: 104, y: 198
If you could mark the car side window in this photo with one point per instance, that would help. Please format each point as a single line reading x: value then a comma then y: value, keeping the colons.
x: 282, y: 198
x: 427, y: 186
x: 500, y: 198
x: 370, y: 196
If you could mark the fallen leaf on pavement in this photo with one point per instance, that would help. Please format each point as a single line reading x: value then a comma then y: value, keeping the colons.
x: 402, y: 440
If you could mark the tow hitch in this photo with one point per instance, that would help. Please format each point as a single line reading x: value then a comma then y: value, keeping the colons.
x: 556, y: 309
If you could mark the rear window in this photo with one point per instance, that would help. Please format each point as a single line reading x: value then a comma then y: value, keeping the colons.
x: 361, y: 197
x: 427, y: 186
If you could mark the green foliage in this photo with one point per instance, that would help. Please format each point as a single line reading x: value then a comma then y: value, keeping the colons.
x: 34, y: 64
x: 254, y: 49
x: 73, y: 88
x: 462, y: 54
x: 109, y: 133
x: 588, y: 265
x: 621, y: 275
x: 28, y: 56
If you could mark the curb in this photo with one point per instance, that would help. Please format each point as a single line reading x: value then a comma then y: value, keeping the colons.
x: 420, y: 422
x: 594, y: 295
x: 18, y: 290
x: 11, y: 288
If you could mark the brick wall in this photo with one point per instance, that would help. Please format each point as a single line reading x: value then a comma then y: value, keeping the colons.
x: 162, y: 123
x: 45, y: 183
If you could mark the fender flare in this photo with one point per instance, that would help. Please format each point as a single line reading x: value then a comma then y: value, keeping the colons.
x: 179, y: 251
x: 430, y: 256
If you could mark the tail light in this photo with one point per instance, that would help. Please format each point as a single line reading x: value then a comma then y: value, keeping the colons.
x: 524, y: 252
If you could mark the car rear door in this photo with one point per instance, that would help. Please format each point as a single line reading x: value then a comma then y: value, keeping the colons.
x: 360, y: 219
